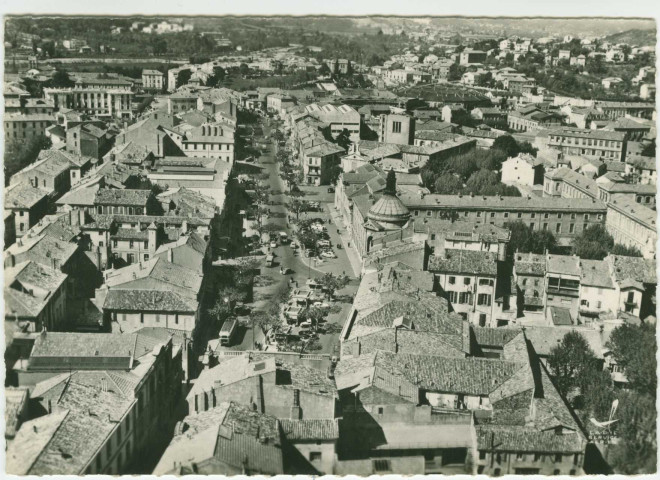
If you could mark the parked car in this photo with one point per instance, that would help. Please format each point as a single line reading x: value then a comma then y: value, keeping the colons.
x: 328, y: 254
x: 323, y: 243
x: 331, y: 189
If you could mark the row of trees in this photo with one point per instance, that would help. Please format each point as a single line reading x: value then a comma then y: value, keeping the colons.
x: 580, y: 378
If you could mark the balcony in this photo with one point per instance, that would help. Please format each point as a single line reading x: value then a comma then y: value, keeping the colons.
x: 569, y: 292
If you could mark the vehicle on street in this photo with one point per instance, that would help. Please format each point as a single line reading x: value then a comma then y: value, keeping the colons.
x: 328, y: 254
x: 284, y: 238
x: 269, y: 260
x: 306, y: 324
x: 323, y: 243
x: 323, y: 305
x: 273, y: 244
x: 228, y: 331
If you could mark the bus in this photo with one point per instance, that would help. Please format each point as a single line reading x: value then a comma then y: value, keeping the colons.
x: 228, y: 331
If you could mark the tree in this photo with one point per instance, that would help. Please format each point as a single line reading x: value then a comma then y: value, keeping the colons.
x: 507, y: 144
x: 314, y: 315
x: 524, y: 239
x: 264, y: 320
x: 244, y: 69
x: 333, y: 174
x: 61, y: 80
x: 297, y: 206
x: 593, y: 243
x: 344, y: 139
x: 447, y: 184
x: 649, y: 150
x: 570, y: 360
x: 330, y: 283
x: 183, y: 77
x: 633, y: 348
x: 625, y: 250
x: 636, y: 452
x: 324, y: 70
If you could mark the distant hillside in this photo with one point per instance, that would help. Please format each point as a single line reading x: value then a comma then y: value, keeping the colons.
x: 633, y: 37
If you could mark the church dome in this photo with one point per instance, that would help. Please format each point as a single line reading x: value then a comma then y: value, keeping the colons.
x: 389, y: 211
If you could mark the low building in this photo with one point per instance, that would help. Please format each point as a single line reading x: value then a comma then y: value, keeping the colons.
x: 493, y: 117
x: 126, y: 202
x: 578, y: 141
x: 471, y: 57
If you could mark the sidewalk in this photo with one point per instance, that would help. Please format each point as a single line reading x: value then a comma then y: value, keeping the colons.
x: 353, y: 258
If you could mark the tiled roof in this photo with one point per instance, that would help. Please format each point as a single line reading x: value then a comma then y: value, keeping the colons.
x: 130, y: 234
x: 586, y: 132
x: 563, y: 264
x: 23, y: 195
x: 107, y: 196
x: 635, y: 268
x: 509, y: 438
x: 529, y: 264
x: 494, y: 337
x: 464, y: 261
x: 595, y: 273
x: 323, y: 429
x: 495, y: 203
x: 449, y: 229
x: 148, y: 301
x: 638, y: 212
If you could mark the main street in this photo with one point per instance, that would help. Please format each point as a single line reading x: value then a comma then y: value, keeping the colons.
x: 299, y: 269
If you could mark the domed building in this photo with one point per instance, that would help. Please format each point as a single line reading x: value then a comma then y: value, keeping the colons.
x: 386, y: 221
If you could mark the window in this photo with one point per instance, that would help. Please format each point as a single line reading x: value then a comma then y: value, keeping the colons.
x: 492, y: 214
x: 519, y: 214
x: 533, y: 215
x: 555, y: 471
x: 484, y: 299
x: 520, y: 457
x: 545, y: 226
x: 546, y: 215
x: 467, y: 280
x: 478, y: 214
x: 524, y: 282
x: 497, y: 472
x: 558, y: 458
x: 465, y: 298
x: 466, y: 214
x: 482, y: 319
x: 559, y: 215
x: 396, y: 127
x: 314, y: 456
x: 452, y: 280
x: 130, y: 244
x: 429, y: 213
x: 114, y: 243
x: 531, y: 226
x: 416, y: 213
x: 506, y: 214
x: 381, y: 465
x: 380, y: 410
x: 482, y: 455
x: 584, y: 226
x: 572, y: 216
x: 558, y: 228
x: 586, y: 217
x: 538, y: 457
x: 433, y: 236
x: 485, y: 281
x: 146, y: 244
x: 571, y: 228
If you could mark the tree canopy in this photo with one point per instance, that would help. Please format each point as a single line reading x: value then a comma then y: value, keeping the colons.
x: 525, y: 240
x: 595, y: 243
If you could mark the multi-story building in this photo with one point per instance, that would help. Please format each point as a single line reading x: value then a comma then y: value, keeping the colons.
x: 258, y: 381
x: 28, y: 203
x: 440, y: 69
x: 88, y: 139
x: 155, y: 293
x: 35, y: 296
x: 470, y: 57
x: 396, y: 128
x: 468, y: 279
x: 616, y: 110
x: 442, y: 234
x: 318, y: 159
x: 208, y: 140
x: 153, y: 80
x: 126, y: 201
x: 579, y: 141
x: 109, y: 404
x: 97, y: 98
x: 563, y: 217
x: 339, y: 118
x: 493, y: 117
x: 23, y: 128
x: 532, y: 118
x: 524, y: 170
x: 632, y: 224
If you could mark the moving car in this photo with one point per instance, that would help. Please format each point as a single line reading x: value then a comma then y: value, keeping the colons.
x: 328, y: 254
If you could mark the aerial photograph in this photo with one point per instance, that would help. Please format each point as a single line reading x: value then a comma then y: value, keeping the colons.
x: 329, y: 245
